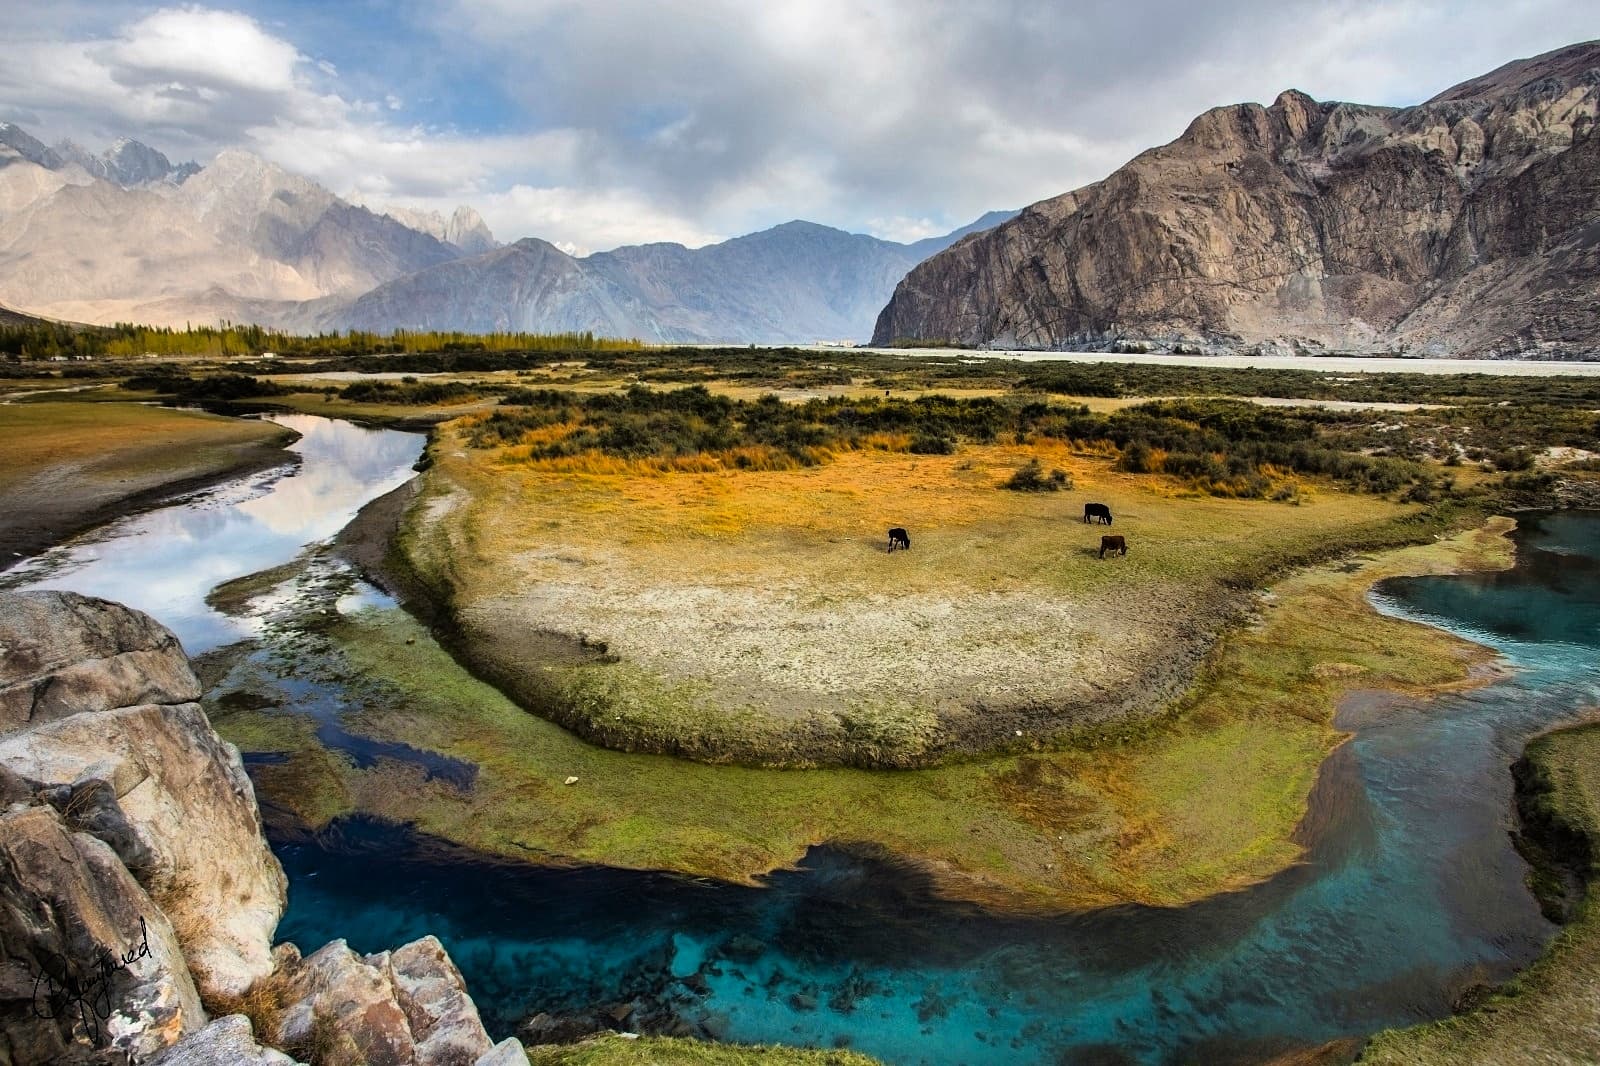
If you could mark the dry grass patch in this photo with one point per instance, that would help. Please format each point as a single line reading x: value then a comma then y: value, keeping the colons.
x: 118, y: 443
x: 755, y: 616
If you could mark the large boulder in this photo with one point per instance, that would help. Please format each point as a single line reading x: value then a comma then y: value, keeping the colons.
x: 228, y: 1041
x: 444, y: 1020
x: 347, y: 1009
x: 63, y: 653
x: 406, y: 1007
x: 134, y: 877
x: 91, y: 970
x: 164, y: 790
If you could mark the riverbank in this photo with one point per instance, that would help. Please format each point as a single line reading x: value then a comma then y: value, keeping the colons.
x: 1548, y: 1013
x: 1126, y: 813
x: 71, y: 466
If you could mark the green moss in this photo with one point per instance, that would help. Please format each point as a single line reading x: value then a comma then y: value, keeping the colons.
x: 1122, y: 812
x: 310, y: 783
x: 230, y: 597
x: 670, y: 1051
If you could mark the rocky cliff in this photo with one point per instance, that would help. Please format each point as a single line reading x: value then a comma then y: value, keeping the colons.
x: 1468, y: 225
x: 136, y: 889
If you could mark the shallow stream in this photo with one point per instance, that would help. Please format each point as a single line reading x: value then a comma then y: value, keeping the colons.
x: 1411, y: 891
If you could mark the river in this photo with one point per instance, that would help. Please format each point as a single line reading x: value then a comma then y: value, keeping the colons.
x: 1410, y: 893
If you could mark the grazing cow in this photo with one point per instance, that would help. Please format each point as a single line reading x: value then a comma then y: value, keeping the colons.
x: 1117, y: 545
x: 1097, y: 512
x: 899, y: 538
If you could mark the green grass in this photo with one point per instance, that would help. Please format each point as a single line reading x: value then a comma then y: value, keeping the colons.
x: 1551, y: 1012
x: 670, y: 1051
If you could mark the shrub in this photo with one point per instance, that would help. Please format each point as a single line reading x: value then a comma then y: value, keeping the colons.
x: 1030, y: 477
x: 1513, y: 459
x: 932, y: 445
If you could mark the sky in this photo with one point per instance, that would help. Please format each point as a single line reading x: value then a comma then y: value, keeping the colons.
x: 594, y: 124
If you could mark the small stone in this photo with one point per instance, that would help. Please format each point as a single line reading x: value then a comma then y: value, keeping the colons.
x: 572, y: 781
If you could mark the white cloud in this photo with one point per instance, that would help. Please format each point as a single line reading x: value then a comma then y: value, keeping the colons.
x: 201, y: 48
x: 640, y: 120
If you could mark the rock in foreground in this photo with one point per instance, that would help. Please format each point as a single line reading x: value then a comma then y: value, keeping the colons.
x: 134, y: 878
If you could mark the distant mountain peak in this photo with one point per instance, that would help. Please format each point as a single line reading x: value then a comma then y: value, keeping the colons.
x: 465, y: 228
x: 127, y: 163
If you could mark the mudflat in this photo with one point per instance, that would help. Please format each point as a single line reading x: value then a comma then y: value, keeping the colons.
x: 71, y: 466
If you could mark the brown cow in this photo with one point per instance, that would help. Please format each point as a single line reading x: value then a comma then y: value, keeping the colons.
x: 1115, y: 545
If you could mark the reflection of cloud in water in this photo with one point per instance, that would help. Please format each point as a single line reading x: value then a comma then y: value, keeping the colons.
x: 165, y: 561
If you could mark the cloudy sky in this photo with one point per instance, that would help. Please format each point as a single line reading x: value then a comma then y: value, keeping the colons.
x: 602, y: 123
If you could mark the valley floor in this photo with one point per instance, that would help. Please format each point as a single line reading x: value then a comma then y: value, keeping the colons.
x: 1163, y: 811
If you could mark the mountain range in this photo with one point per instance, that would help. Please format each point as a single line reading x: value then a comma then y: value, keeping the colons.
x: 128, y: 236
x: 1468, y: 225
x: 794, y: 283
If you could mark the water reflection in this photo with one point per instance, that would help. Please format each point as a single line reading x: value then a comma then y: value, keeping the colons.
x: 165, y: 561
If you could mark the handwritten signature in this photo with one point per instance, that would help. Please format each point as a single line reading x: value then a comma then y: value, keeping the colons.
x: 86, y: 991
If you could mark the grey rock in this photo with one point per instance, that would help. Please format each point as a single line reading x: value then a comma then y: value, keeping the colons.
x: 62, y: 654
x: 225, y: 1042
x: 66, y: 905
x: 152, y: 779
x: 349, y: 1007
x: 444, y: 1021
x: 509, y: 1052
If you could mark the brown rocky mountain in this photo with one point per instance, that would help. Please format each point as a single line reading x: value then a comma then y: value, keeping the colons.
x: 1468, y: 225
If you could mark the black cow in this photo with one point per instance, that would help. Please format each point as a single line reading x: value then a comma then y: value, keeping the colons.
x: 899, y: 538
x: 1117, y: 545
x: 1097, y: 512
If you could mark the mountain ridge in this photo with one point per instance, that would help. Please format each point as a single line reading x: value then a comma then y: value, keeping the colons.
x: 1465, y: 225
x: 126, y: 235
x: 795, y: 282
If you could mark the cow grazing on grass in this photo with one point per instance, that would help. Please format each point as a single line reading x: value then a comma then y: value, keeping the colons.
x: 899, y: 538
x: 1115, y: 545
x: 1097, y: 512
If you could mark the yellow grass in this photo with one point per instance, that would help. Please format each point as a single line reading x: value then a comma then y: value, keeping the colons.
x: 111, y: 442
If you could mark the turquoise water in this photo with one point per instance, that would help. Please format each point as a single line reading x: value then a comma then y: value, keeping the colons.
x: 165, y: 561
x: 1411, y: 893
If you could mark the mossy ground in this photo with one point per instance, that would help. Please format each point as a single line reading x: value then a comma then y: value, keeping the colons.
x: 1163, y: 811
x: 669, y: 1051
x: 1551, y: 1012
